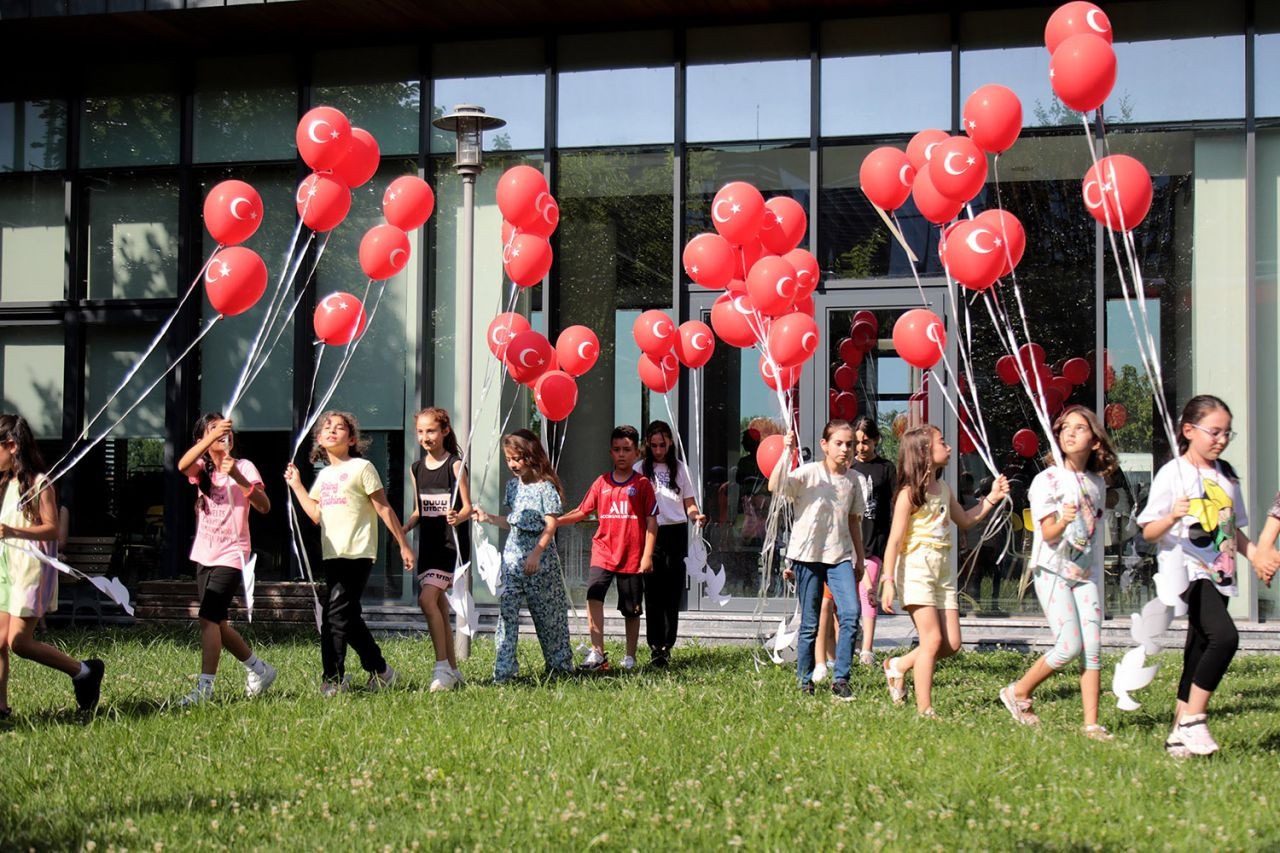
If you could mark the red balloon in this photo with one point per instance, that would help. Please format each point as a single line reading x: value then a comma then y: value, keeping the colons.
x: 1116, y: 415
x: 807, y: 272
x: 1083, y: 71
x: 1063, y: 386
x: 1030, y: 355
x: 849, y: 351
x: 1007, y: 369
x: 577, y: 349
x: 509, y: 232
x: 235, y: 280
x: 709, y: 260
x: 694, y: 344
x: 521, y: 191
x: 974, y: 255
x: 793, y: 339
x: 735, y: 320
x: 784, y: 224
x: 919, y: 338
x: 528, y: 356
x: 1076, y: 371
x: 361, y: 160
x: 886, y: 176
x: 232, y: 212
x: 846, y: 406
x: 544, y: 224
x: 769, y: 454
x: 555, y: 393
x: 527, y: 260
x: 1053, y: 398
x: 933, y: 205
x: 737, y: 212
x: 408, y: 202
x: 771, y: 375
x: 323, y: 202
x: 660, y: 375
x: 655, y: 333
x: 772, y: 285
x: 502, y: 329
x: 967, y: 444
x: 339, y: 318
x: 864, y: 316
x: 747, y: 255
x: 846, y: 377
x: 920, y: 148
x: 384, y: 251
x: 323, y: 137
x: 864, y: 334
x: 1117, y: 192
x: 1076, y: 18
x: 1013, y: 239
x: 992, y: 118
x: 958, y: 169
x: 736, y: 286
x: 1025, y: 443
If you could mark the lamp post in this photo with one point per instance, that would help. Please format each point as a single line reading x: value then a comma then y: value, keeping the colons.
x: 468, y: 123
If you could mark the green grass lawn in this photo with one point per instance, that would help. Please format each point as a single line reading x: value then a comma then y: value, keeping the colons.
x: 708, y: 754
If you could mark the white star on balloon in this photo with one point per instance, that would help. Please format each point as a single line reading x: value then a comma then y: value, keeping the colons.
x: 735, y: 208
x: 515, y: 253
x: 694, y: 269
x: 998, y: 243
x: 972, y: 124
x: 391, y: 196
x: 343, y: 305
x: 779, y: 218
x: 969, y: 161
x: 223, y: 270
x: 1106, y: 188
x: 333, y: 134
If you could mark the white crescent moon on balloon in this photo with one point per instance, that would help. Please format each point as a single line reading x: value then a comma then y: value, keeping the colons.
x: 1085, y: 193
x: 303, y: 191
x: 208, y: 280
x: 693, y: 340
x: 582, y: 349
x: 311, y: 131
x: 521, y: 357
x: 537, y: 202
x: 972, y: 242
x: 946, y: 163
x: 669, y: 363
x: 902, y: 175
x: 928, y: 151
x: 657, y: 327
x: 804, y: 341
x: 547, y: 211
x: 392, y: 257
x: 498, y: 338
x: 766, y: 368
x: 737, y: 306
x: 934, y: 333
x: 783, y: 291
x: 715, y: 211
x: 237, y: 201
x: 1093, y: 24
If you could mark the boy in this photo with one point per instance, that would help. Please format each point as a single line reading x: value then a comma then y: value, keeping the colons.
x: 622, y: 549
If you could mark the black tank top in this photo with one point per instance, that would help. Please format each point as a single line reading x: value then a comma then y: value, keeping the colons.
x: 435, y: 485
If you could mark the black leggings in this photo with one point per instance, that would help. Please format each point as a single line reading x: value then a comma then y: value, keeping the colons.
x: 342, y: 623
x: 1212, y: 639
x: 665, y: 588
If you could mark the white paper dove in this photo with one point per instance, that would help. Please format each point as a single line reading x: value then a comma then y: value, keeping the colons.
x: 785, y: 636
x: 695, y: 563
x: 488, y: 565
x: 249, y: 568
x: 462, y: 602
x: 113, y: 589
x: 1151, y: 623
x: 715, y: 583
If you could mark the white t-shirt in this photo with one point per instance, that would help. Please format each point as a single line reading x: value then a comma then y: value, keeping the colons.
x: 1205, y: 538
x: 670, y: 504
x: 1074, y: 557
x: 823, y: 503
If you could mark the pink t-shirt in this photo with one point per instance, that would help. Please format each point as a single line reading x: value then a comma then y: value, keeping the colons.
x: 222, y: 528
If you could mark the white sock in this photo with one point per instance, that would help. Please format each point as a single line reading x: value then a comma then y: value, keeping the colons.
x: 84, y: 670
x: 443, y: 665
x: 204, y: 682
x: 254, y: 664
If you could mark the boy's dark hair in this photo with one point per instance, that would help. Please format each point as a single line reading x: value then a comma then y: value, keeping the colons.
x: 625, y: 431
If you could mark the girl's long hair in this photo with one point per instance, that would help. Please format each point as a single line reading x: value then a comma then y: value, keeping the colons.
x: 673, y: 458
x: 1103, y: 459
x: 358, y: 447
x: 28, y: 464
x: 1195, y: 411
x: 915, y: 462
x: 441, y: 417
x: 204, y: 480
x: 529, y: 449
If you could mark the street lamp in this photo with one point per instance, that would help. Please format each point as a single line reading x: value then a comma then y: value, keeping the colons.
x: 468, y: 123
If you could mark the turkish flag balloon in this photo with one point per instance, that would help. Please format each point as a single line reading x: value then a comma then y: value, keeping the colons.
x: 778, y: 378
x: 1026, y: 443
x: 845, y: 377
x: 577, y: 349
x: 974, y: 254
x: 1013, y: 238
x: 659, y: 375
x: 737, y: 211
x: 919, y: 338
x: 1030, y: 356
x: 864, y: 334
x: 232, y: 212
x: 920, y: 148
x: 735, y: 320
x: 1075, y: 18
x: 845, y: 407
x: 886, y: 176
x: 933, y: 205
x: 746, y: 256
x: 384, y: 251
x: 1007, y: 369
x: 323, y: 137
x: 1116, y: 415
x: 235, y: 280
x: 694, y: 344
x: 521, y: 191
x: 1117, y: 192
x: 323, y: 202
x: 339, y: 318
x: 1076, y: 371
x: 655, y: 333
x: 807, y: 272
x: 527, y: 260
x: 958, y: 168
x: 1083, y: 71
x: 528, y: 356
x: 793, y: 339
x: 992, y: 118
x: 784, y: 224
x: 544, y: 224
x: 361, y: 160
x: 709, y: 260
x: 556, y: 394
x: 849, y: 351
x: 772, y: 285
x: 502, y: 329
x: 408, y: 202
x: 769, y: 454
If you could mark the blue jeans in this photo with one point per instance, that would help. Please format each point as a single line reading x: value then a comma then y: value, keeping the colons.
x: 844, y: 590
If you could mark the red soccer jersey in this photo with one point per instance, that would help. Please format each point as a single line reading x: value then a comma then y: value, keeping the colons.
x: 623, y: 510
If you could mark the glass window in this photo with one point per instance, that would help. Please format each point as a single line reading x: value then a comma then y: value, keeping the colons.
x: 1007, y: 47
x: 33, y: 135
x: 246, y: 108
x: 32, y: 238
x: 859, y: 57
x: 747, y: 83
x: 133, y: 236
x: 31, y: 376
x: 505, y: 77
x: 773, y: 170
x: 1267, y: 463
x: 109, y: 354
x: 616, y: 89
x: 1266, y: 62
x: 378, y: 89
x: 130, y: 117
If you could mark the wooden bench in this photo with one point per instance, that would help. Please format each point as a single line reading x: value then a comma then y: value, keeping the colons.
x: 274, y: 602
x: 92, y: 555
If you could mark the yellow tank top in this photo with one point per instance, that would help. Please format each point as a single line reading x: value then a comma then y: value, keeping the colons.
x: 931, y: 524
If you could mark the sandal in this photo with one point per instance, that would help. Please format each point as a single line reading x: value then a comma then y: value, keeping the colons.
x: 1098, y: 733
x: 866, y: 657
x: 898, y: 692
x: 928, y: 714
x: 1019, y: 709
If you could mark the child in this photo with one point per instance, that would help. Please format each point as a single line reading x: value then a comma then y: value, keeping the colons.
x: 879, y: 480
x: 346, y: 500
x: 677, y: 505
x: 622, y: 549
x: 1196, y: 512
x: 919, y: 546
x: 227, y: 488
x: 28, y: 586
x: 530, y: 566
x: 1066, y: 503
x: 826, y: 535
x: 444, y: 540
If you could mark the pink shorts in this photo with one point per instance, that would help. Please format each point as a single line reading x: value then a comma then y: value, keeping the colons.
x: 436, y: 578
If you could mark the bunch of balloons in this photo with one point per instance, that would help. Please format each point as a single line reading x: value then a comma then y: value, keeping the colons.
x: 529, y: 217
x: 341, y: 157
x: 549, y: 372
x: 864, y: 334
x: 664, y: 347
x: 235, y: 277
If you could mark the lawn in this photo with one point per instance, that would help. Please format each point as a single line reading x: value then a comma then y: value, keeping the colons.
x: 709, y: 753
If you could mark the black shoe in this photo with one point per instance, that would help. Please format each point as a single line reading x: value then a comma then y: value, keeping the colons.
x: 5, y: 713
x: 806, y: 689
x: 89, y: 688
x: 842, y: 691
x: 659, y: 658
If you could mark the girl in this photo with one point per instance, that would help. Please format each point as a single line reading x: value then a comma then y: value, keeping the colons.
x: 879, y: 480
x: 29, y: 586
x: 918, y: 547
x: 826, y: 535
x: 677, y: 505
x: 227, y: 488
x: 1196, y: 512
x: 445, y: 538
x: 347, y: 500
x: 1066, y: 503
x: 529, y: 570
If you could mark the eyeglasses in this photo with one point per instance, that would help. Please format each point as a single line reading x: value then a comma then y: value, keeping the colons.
x: 1075, y: 428
x: 1216, y: 434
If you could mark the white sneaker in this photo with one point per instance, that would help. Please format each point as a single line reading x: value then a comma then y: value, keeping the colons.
x: 255, y: 683
x: 379, y: 681
x: 197, y: 696
x: 595, y: 660
x: 457, y: 676
x: 629, y: 662
x: 819, y: 673
x: 443, y: 679
x: 329, y: 689
x: 1195, y: 736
